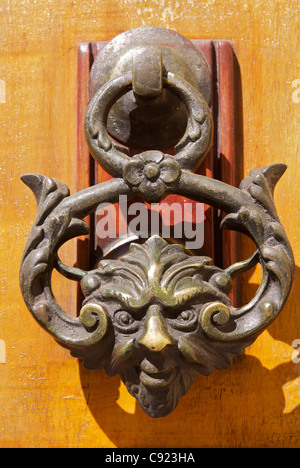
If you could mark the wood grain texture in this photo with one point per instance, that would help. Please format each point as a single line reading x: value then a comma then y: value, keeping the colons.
x: 46, y: 398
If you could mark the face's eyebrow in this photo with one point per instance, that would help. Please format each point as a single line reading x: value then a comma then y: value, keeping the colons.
x: 138, y: 304
x: 132, y: 301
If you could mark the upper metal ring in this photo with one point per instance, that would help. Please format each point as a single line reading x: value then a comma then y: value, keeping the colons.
x: 191, y: 149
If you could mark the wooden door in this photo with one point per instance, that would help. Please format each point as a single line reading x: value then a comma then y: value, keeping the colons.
x: 47, y: 398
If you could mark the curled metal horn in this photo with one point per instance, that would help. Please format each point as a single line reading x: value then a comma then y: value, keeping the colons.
x: 56, y: 222
x: 251, y: 211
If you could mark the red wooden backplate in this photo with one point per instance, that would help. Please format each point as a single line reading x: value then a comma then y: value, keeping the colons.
x: 222, y: 162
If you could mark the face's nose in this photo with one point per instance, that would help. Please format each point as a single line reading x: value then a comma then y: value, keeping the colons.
x: 155, y: 335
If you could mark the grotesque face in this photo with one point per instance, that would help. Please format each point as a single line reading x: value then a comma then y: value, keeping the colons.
x: 154, y: 297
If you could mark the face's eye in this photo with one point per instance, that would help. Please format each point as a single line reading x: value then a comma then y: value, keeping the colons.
x: 186, y: 320
x: 125, y: 322
x: 186, y: 316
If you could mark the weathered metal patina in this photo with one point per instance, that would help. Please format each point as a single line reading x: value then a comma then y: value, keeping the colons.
x: 157, y: 316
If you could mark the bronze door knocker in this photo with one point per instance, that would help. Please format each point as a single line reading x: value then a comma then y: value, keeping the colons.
x: 157, y: 316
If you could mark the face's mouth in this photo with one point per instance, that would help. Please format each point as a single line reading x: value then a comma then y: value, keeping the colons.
x: 157, y: 379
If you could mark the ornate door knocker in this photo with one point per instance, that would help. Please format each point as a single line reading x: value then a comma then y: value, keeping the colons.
x: 157, y: 315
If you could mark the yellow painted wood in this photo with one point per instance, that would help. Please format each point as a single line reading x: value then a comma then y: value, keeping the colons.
x: 46, y: 398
